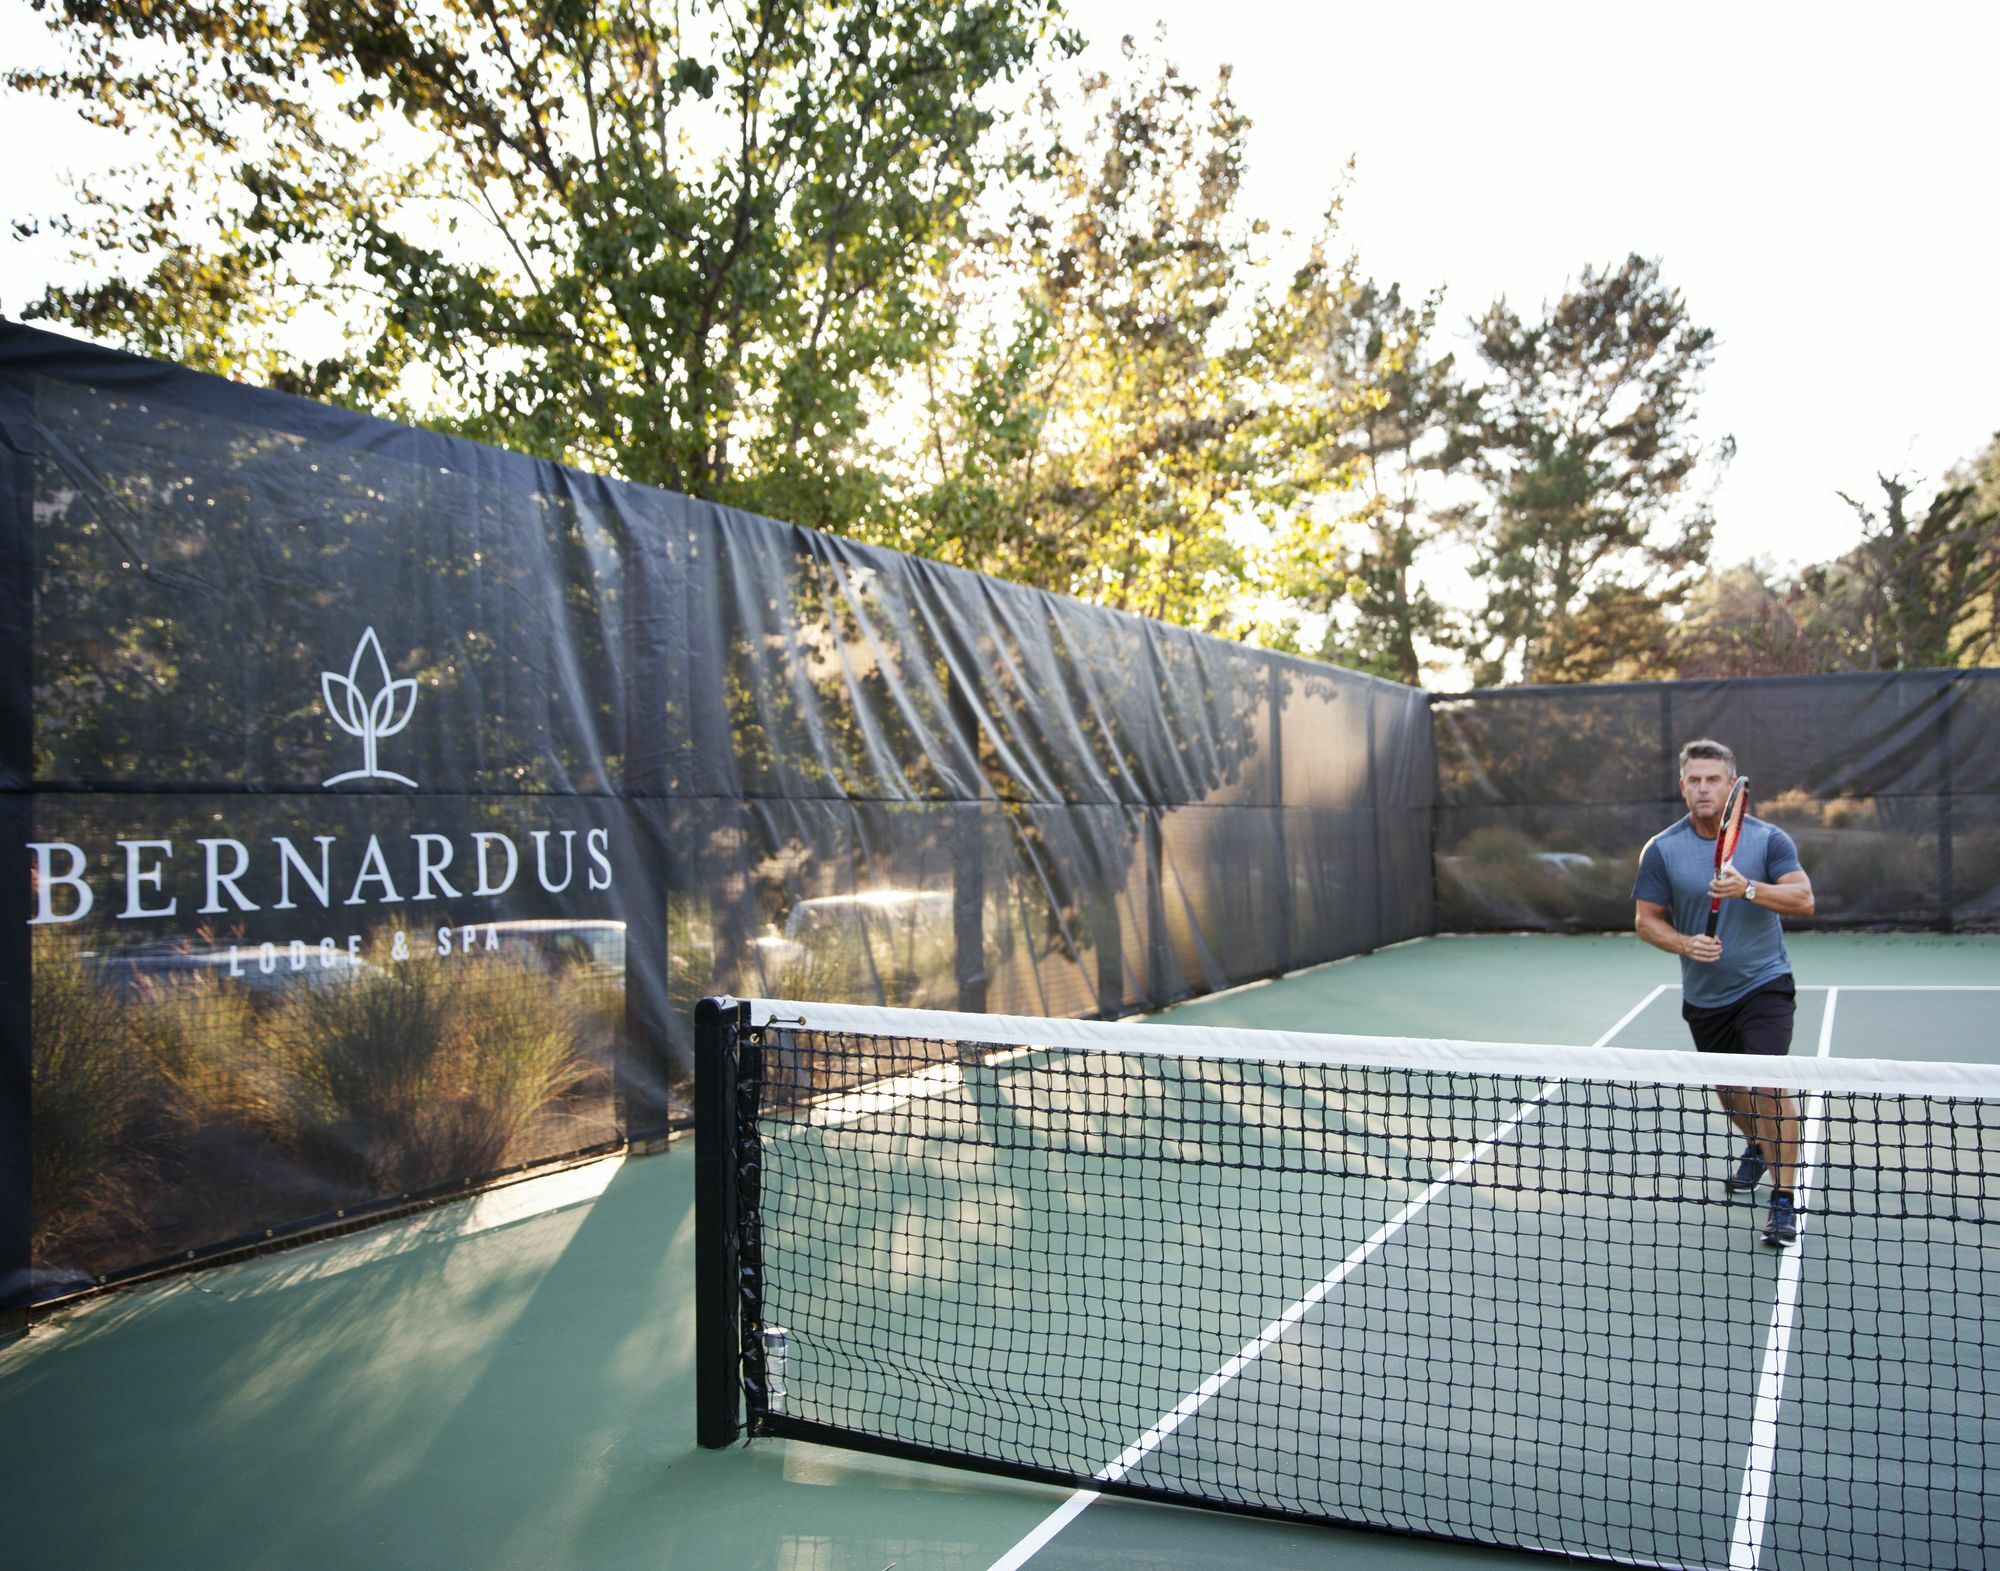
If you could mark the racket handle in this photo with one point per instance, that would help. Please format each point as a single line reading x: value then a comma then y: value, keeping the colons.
x: 1714, y: 915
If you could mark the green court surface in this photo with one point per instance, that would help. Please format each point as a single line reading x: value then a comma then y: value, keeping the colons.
x: 508, y: 1382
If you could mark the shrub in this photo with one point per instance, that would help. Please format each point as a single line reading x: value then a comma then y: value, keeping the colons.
x: 1848, y: 812
x: 1976, y: 872
x: 89, y: 1100
x: 1877, y: 872
x: 690, y: 953
x: 1494, y: 846
x: 200, y: 1034
x: 1795, y: 809
x: 850, y: 965
x: 1498, y: 877
x: 423, y: 1073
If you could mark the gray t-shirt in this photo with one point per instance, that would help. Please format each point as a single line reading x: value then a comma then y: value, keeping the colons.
x: 1674, y: 871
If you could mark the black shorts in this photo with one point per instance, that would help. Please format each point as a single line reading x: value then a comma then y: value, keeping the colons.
x: 1758, y: 1022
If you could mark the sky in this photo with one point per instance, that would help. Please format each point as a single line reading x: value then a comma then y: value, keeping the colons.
x: 1808, y: 176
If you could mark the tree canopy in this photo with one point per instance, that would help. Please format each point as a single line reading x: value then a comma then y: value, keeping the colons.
x: 1588, y: 448
x: 686, y: 244
x: 1135, y: 411
x: 1408, y: 442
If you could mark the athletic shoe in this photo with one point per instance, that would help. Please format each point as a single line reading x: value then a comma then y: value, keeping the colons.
x: 1782, y: 1226
x: 1748, y: 1171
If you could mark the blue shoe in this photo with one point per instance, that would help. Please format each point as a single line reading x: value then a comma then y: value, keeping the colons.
x: 1748, y: 1171
x: 1782, y: 1225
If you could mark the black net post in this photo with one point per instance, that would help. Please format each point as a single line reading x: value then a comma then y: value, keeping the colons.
x: 718, y: 1027
x: 760, y: 1395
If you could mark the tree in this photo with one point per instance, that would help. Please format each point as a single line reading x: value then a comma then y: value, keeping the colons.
x: 1982, y: 473
x: 1132, y: 417
x: 1587, y: 451
x: 1917, y: 592
x: 1404, y: 440
x: 1743, y: 621
x: 685, y: 244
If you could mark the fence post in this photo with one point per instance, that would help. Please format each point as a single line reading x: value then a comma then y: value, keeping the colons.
x: 17, y: 1160
x: 17, y: 826
x: 1281, y: 880
x: 651, y: 742
x: 1372, y: 796
x: 1947, y: 896
x: 1669, y: 751
x: 968, y: 858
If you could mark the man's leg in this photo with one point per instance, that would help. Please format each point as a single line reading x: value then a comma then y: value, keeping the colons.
x: 1769, y: 1120
x: 1746, y: 1111
x: 1760, y: 1025
x: 1741, y: 1106
x: 1780, y: 1116
x: 1713, y: 1033
x: 1764, y: 1026
x: 1775, y: 1118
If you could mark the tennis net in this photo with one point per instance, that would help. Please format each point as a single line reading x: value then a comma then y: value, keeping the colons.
x: 1486, y: 1292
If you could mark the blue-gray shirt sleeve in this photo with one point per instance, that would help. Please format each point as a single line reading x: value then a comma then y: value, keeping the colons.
x: 1651, y: 884
x: 1781, y: 856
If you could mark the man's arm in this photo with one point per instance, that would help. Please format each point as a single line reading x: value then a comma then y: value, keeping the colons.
x: 1649, y: 921
x: 1791, y: 895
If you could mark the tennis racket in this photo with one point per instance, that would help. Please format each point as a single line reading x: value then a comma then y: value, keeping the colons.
x: 1734, y: 811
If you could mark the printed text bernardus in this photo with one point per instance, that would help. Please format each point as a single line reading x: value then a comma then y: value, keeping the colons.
x: 431, y: 869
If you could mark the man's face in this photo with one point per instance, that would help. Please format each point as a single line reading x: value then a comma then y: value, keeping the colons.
x: 1705, y: 787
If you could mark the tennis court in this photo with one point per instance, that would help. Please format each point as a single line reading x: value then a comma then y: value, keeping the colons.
x: 510, y: 1381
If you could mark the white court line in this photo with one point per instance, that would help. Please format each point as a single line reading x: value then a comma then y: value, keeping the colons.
x: 1199, y: 1398
x: 1753, y: 1507
x: 1889, y: 987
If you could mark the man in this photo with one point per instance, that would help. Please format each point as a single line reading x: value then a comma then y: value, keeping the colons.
x: 1736, y: 988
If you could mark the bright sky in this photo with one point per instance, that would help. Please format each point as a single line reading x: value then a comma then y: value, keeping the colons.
x: 1811, y: 178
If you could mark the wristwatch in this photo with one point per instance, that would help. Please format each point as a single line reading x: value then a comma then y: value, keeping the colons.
x: 1749, y: 891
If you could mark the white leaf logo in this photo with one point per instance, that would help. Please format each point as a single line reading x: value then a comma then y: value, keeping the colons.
x: 355, y: 713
